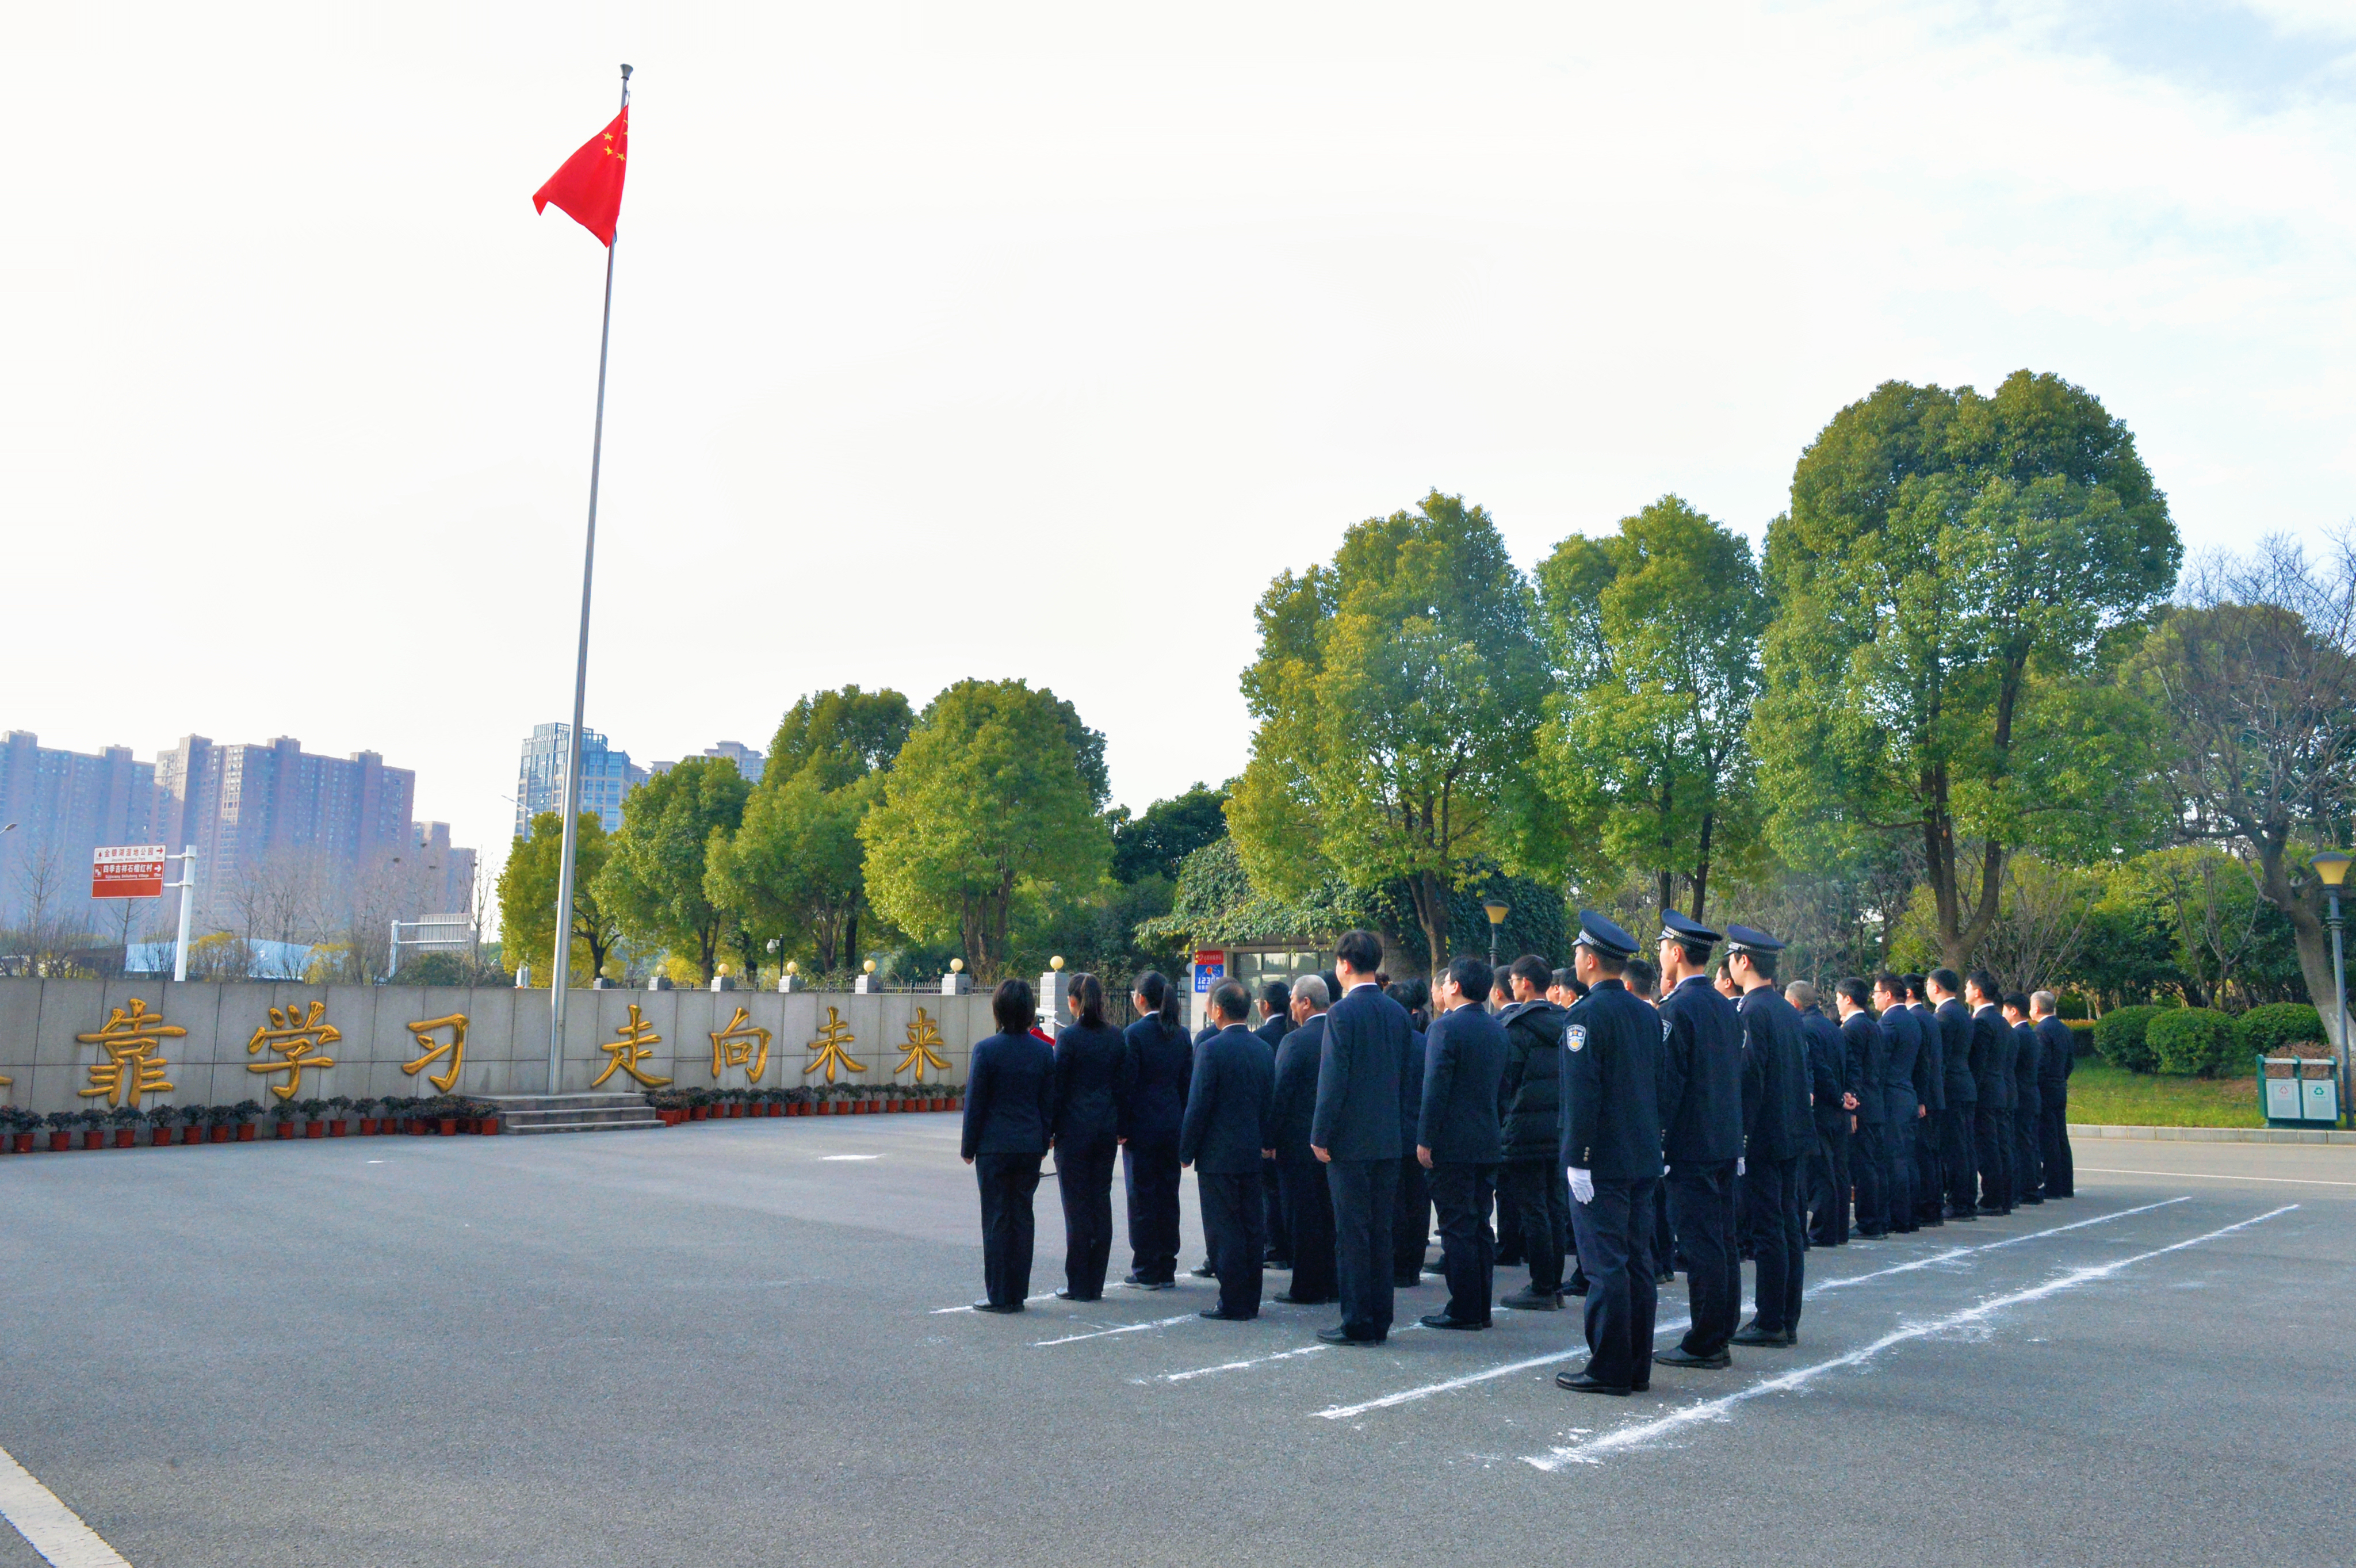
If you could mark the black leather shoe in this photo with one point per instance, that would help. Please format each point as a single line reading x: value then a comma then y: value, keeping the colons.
x: 1574, y: 1287
x: 2029, y: 1201
x: 1679, y: 1359
x: 1960, y: 1215
x: 1206, y: 1273
x: 1532, y: 1300
x: 1215, y: 1316
x: 1581, y: 1383
x: 994, y: 1306
x: 1337, y: 1336
x: 1665, y: 1277
x: 1767, y: 1339
x: 1441, y: 1320
x: 1288, y: 1299
x: 1273, y: 1261
x: 1068, y: 1295
x: 1154, y: 1284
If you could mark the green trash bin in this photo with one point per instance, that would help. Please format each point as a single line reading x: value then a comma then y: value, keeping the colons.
x: 2306, y: 1093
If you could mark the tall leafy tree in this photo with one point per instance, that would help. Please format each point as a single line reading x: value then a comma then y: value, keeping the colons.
x: 987, y: 802
x: 1168, y: 832
x: 1956, y: 583
x: 654, y: 878
x: 839, y: 736
x: 1395, y: 693
x: 793, y: 870
x: 527, y: 891
x: 1655, y: 634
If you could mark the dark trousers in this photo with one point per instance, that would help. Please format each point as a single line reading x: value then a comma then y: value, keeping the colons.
x: 2028, y: 1182
x: 1615, y: 1230
x: 1364, y: 1193
x: 1279, y: 1234
x: 1150, y: 1167
x: 1235, y: 1232
x: 1771, y: 1191
x: 1868, y: 1172
x: 1008, y: 1183
x: 1930, y: 1165
x: 1411, y: 1224
x: 1992, y: 1142
x: 1309, y: 1215
x: 1462, y: 1192
x: 1828, y: 1181
x: 1509, y: 1228
x: 1526, y: 1202
x: 1701, y: 1205
x: 1084, y: 1181
x: 1955, y: 1156
x: 1899, y: 1145
x: 2060, y: 1174
x: 1665, y: 1234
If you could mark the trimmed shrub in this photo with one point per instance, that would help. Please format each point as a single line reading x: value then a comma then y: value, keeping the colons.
x: 2119, y: 1037
x: 2081, y: 1035
x: 2270, y: 1029
x: 2190, y: 1041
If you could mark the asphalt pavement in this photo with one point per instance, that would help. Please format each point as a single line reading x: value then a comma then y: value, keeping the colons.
x: 746, y: 1344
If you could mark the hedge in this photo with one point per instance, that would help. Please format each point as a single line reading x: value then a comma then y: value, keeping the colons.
x: 2119, y: 1037
x: 2269, y: 1030
x: 2191, y: 1041
x: 2082, y: 1035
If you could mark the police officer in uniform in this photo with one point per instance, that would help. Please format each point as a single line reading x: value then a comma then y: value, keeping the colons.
x: 2053, y: 1064
x: 1834, y: 1094
x: 1961, y: 1068
x: 1904, y: 1111
x: 1992, y: 1053
x: 1779, y: 1129
x: 1869, y: 1151
x: 2027, y: 1185
x: 1701, y: 1116
x: 1612, y: 1154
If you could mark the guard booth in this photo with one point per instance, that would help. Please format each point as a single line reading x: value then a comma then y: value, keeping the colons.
x: 2298, y: 1092
x: 1254, y: 964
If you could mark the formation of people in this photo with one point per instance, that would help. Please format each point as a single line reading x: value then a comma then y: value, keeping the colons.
x: 1633, y: 1119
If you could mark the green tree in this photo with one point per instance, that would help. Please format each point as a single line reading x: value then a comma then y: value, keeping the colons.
x: 1955, y: 585
x: 793, y: 870
x: 988, y: 801
x: 1396, y: 692
x: 843, y: 736
x: 527, y: 890
x: 1656, y: 632
x: 1159, y: 841
x: 653, y: 879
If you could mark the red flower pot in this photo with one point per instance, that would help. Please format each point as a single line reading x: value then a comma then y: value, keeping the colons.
x: 368, y: 1127
x: 487, y: 1126
x: 449, y: 1126
x: 126, y: 1137
x: 699, y: 1112
x: 338, y: 1129
x: 25, y: 1143
x: 94, y: 1138
x: 315, y: 1129
x: 285, y: 1130
x: 60, y: 1142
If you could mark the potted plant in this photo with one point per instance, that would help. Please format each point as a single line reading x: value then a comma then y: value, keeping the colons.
x: 314, y: 1117
x: 339, y: 1111
x: 364, y: 1112
x: 487, y: 1118
x: 124, y: 1121
x: 446, y: 1110
x: 245, y: 1113
x: 24, y: 1128
x: 61, y: 1124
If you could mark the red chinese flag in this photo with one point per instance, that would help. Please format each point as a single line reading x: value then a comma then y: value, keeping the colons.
x: 589, y: 187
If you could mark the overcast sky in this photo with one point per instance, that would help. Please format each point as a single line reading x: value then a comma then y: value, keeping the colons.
x: 1033, y: 339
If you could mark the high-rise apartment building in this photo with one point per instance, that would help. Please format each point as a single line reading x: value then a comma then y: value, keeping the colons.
x: 64, y: 804
x: 448, y: 870
x: 748, y: 762
x: 607, y: 777
x: 248, y: 807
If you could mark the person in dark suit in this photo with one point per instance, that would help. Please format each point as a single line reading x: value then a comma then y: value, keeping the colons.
x: 1308, y: 1201
x: 1612, y: 1152
x: 1224, y: 1141
x: 1532, y: 1201
x: 1992, y: 1052
x: 1902, y: 1105
x: 1868, y: 1049
x: 1355, y: 1132
x: 1832, y: 1099
x: 1778, y: 1129
x: 1160, y: 1065
x: 1458, y: 1137
x: 1701, y: 1137
x: 2027, y: 1046
x: 2053, y: 1065
x: 1931, y: 1083
x: 1092, y: 1078
x: 1410, y: 1198
x: 1960, y: 1081
x: 1276, y: 1021
x: 1010, y: 1104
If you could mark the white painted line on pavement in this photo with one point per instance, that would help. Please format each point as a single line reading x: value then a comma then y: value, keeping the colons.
x: 829, y: 1158
x: 2208, y: 1175
x: 1124, y: 1328
x: 1233, y: 1366
x: 1590, y: 1451
x: 54, y: 1530
x: 1345, y: 1412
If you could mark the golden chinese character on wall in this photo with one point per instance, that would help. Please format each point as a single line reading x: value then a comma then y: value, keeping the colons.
x: 130, y: 1038
x: 742, y: 1044
x: 454, y: 1048
x: 294, y: 1036
x: 635, y: 1042
x: 924, y: 1035
x: 833, y: 1045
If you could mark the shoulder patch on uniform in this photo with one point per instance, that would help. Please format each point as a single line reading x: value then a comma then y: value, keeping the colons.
x: 1575, y: 1037
x: 1664, y: 1025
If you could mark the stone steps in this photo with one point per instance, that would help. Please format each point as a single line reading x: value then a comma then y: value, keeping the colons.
x: 526, y: 1115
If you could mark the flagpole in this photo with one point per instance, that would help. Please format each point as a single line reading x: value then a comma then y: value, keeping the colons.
x: 559, y: 975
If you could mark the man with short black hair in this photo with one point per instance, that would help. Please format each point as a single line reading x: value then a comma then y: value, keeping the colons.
x: 1833, y: 1098
x: 1457, y: 1142
x: 1276, y: 1006
x: 2028, y: 1185
x: 1779, y: 1127
x: 1355, y: 1132
x: 1930, y: 1081
x: 1701, y: 1137
x: 1308, y: 1201
x: 1533, y: 1203
x: 1903, y: 1106
x: 1868, y: 1066
x: 1960, y: 1079
x: 2053, y: 1064
x: 1992, y: 1053
x: 1224, y: 1139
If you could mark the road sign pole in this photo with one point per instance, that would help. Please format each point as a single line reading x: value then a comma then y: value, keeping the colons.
x: 187, y: 886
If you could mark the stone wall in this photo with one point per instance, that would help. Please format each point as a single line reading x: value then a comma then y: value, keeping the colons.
x: 378, y: 1031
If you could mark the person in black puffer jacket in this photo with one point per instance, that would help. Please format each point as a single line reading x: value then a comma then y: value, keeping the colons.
x: 1530, y: 1178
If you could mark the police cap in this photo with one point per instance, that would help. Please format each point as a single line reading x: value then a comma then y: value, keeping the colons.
x: 1744, y: 939
x: 1597, y: 931
x: 1677, y: 927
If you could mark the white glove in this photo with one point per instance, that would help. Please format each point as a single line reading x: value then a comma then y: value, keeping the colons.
x: 1738, y: 1165
x: 1582, y: 1184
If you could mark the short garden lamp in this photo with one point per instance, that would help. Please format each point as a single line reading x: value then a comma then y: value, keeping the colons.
x: 2331, y: 865
x: 1496, y: 909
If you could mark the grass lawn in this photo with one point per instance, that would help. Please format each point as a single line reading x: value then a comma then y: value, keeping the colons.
x: 2112, y: 1096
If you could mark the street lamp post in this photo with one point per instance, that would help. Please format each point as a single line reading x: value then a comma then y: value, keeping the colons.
x: 1496, y: 909
x: 2332, y: 866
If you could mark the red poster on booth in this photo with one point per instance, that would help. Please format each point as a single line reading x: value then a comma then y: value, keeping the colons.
x: 127, y: 871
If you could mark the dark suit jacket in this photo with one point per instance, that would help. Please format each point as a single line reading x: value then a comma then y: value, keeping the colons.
x: 2027, y: 1046
x: 1869, y: 1064
x: 1296, y: 1089
x: 1957, y: 1054
x: 1273, y: 1030
x: 1827, y: 1060
x: 1464, y: 1063
x: 1701, y: 1075
x: 1933, y: 1059
x: 1992, y: 1058
x: 1010, y: 1096
x: 1092, y: 1077
x: 1226, y: 1114
x: 1777, y: 1121
x: 1411, y: 1090
x: 1901, y: 1076
x: 1161, y: 1064
x: 2054, y: 1063
x: 1611, y: 1085
x: 1367, y: 1039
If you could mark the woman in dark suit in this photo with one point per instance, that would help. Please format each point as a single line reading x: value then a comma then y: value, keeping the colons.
x: 1091, y: 1078
x: 1010, y: 1104
x: 1161, y: 1067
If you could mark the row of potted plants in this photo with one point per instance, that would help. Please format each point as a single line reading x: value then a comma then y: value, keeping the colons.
x: 678, y: 1105
x: 160, y: 1126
